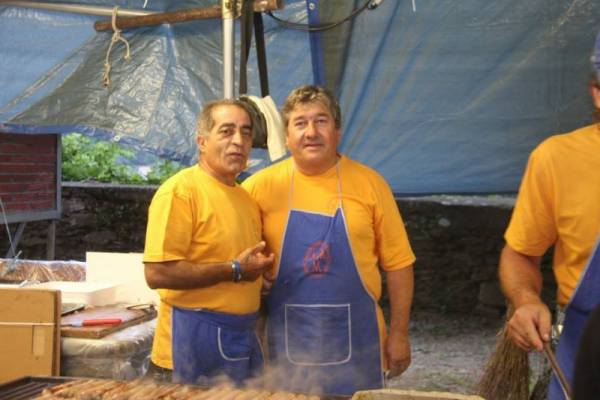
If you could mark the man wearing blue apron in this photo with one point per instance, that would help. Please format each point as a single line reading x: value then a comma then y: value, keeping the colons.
x: 204, y: 253
x: 333, y: 225
x: 583, y: 301
x: 558, y: 205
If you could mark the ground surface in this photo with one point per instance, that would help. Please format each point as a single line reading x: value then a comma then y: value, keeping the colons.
x: 449, y: 351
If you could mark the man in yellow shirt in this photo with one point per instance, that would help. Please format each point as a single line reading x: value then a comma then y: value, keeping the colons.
x: 334, y: 226
x: 558, y: 205
x: 203, y: 253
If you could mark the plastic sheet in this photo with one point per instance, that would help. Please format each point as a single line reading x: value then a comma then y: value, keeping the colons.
x: 120, y: 355
x: 41, y: 271
x: 440, y: 97
x: 154, y: 98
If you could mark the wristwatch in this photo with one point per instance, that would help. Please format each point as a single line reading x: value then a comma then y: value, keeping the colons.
x: 236, y: 271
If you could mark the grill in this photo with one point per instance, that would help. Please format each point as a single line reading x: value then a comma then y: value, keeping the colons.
x: 32, y: 386
x: 28, y: 387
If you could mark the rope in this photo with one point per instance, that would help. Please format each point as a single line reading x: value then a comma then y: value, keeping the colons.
x: 115, y: 38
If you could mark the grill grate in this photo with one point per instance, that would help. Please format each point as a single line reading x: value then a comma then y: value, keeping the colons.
x: 28, y: 387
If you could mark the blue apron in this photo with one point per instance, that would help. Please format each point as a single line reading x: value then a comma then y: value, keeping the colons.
x: 207, y: 345
x: 322, y: 329
x: 583, y: 301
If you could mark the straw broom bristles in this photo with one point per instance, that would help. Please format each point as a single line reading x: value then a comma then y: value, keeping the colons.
x: 506, y: 376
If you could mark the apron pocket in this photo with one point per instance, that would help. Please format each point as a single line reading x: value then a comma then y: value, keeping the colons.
x: 233, y: 345
x: 318, y: 334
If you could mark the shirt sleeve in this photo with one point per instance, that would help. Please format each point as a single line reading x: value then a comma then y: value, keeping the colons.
x: 391, y: 238
x: 532, y: 228
x: 169, y: 230
x: 249, y: 185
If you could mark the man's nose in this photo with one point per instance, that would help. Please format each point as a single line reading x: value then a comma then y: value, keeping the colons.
x: 311, y: 129
x: 237, y: 137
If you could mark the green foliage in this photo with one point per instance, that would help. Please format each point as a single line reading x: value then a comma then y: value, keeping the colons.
x: 162, y: 171
x: 86, y: 160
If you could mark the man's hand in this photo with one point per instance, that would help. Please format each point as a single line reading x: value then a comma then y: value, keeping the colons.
x: 530, y: 325
x: 521, y: 282
x: 397, y: 349
x: 268, y: 279
x: 253, y: 262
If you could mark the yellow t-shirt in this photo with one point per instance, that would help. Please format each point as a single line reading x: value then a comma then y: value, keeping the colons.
x: 559, y: 204
x: 196, y: 218
x: 376, y: 231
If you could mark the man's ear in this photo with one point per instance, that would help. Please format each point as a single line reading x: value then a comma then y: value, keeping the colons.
x: 201, y: 140
x: 595, y: 91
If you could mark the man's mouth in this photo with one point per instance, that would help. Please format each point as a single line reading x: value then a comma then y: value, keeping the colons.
x: 312, y: 145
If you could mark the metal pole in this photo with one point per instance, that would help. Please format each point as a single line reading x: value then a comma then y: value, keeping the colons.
x: 77, y: 8
x: 228, y: 49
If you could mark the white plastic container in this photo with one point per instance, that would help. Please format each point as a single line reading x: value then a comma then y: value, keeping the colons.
x: 90, y: 293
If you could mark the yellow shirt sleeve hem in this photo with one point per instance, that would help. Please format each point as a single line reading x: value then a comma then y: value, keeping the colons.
x: 161, y: 257
x: 401, y: 265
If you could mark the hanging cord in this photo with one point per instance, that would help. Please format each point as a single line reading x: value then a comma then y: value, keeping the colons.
x: 115, y: 38
x: 11, y: 265
x: 325, y: 26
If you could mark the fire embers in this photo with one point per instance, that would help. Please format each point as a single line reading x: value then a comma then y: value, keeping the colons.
x: 97, y: 389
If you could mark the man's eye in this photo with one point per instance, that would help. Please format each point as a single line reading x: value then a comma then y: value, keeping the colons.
x: 322, y: 121
x: 226, y: 132
x: 247, y: 132
x: 300, y: 124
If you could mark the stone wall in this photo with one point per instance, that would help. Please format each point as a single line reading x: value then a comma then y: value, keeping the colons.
x: 457, y: 240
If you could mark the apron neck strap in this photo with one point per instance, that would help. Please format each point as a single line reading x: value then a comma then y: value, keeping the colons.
x: 338, y: 182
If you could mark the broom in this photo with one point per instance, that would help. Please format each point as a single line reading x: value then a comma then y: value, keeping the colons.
x: 506, y: 375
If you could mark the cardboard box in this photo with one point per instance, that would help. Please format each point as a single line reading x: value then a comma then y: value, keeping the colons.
x: 89, y: 293
x: 124, y: 269
x: 29, y: 333
x: 398, y: 394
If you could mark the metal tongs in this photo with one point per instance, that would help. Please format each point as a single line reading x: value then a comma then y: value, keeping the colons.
x: 564, y: 384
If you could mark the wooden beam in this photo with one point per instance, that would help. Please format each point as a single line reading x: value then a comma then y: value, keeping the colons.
x: 173, y: 17
x: 51, y: 240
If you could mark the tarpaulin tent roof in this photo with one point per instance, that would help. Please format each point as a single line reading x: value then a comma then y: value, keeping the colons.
x: 439, y: 96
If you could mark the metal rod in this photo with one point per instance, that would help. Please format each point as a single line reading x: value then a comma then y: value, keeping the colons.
x: 228, y: 49
x: 77, y: 8
x: 558, y: 371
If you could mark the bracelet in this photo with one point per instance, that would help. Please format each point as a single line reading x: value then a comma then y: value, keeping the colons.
x: 236, y: 271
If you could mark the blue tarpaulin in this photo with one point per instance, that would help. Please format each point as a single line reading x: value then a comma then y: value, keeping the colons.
x: 440, y: 96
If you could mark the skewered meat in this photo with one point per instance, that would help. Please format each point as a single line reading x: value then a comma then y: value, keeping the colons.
x: 100, y: 389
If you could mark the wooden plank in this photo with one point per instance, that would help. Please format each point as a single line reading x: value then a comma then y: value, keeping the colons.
x: 51, y: 240
x: 400, y: 394
x: 129, y: 318
x: 190, y: 14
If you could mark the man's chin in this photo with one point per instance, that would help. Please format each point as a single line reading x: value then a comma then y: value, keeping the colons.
x: 237, y: 168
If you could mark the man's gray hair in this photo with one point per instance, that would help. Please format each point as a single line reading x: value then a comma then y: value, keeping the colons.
x: 205, y: 119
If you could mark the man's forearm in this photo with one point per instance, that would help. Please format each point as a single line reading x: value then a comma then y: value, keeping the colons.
x: 400, y: 285
x: 520, y: 277
x: 251, y: 264
x: 182, y: 274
